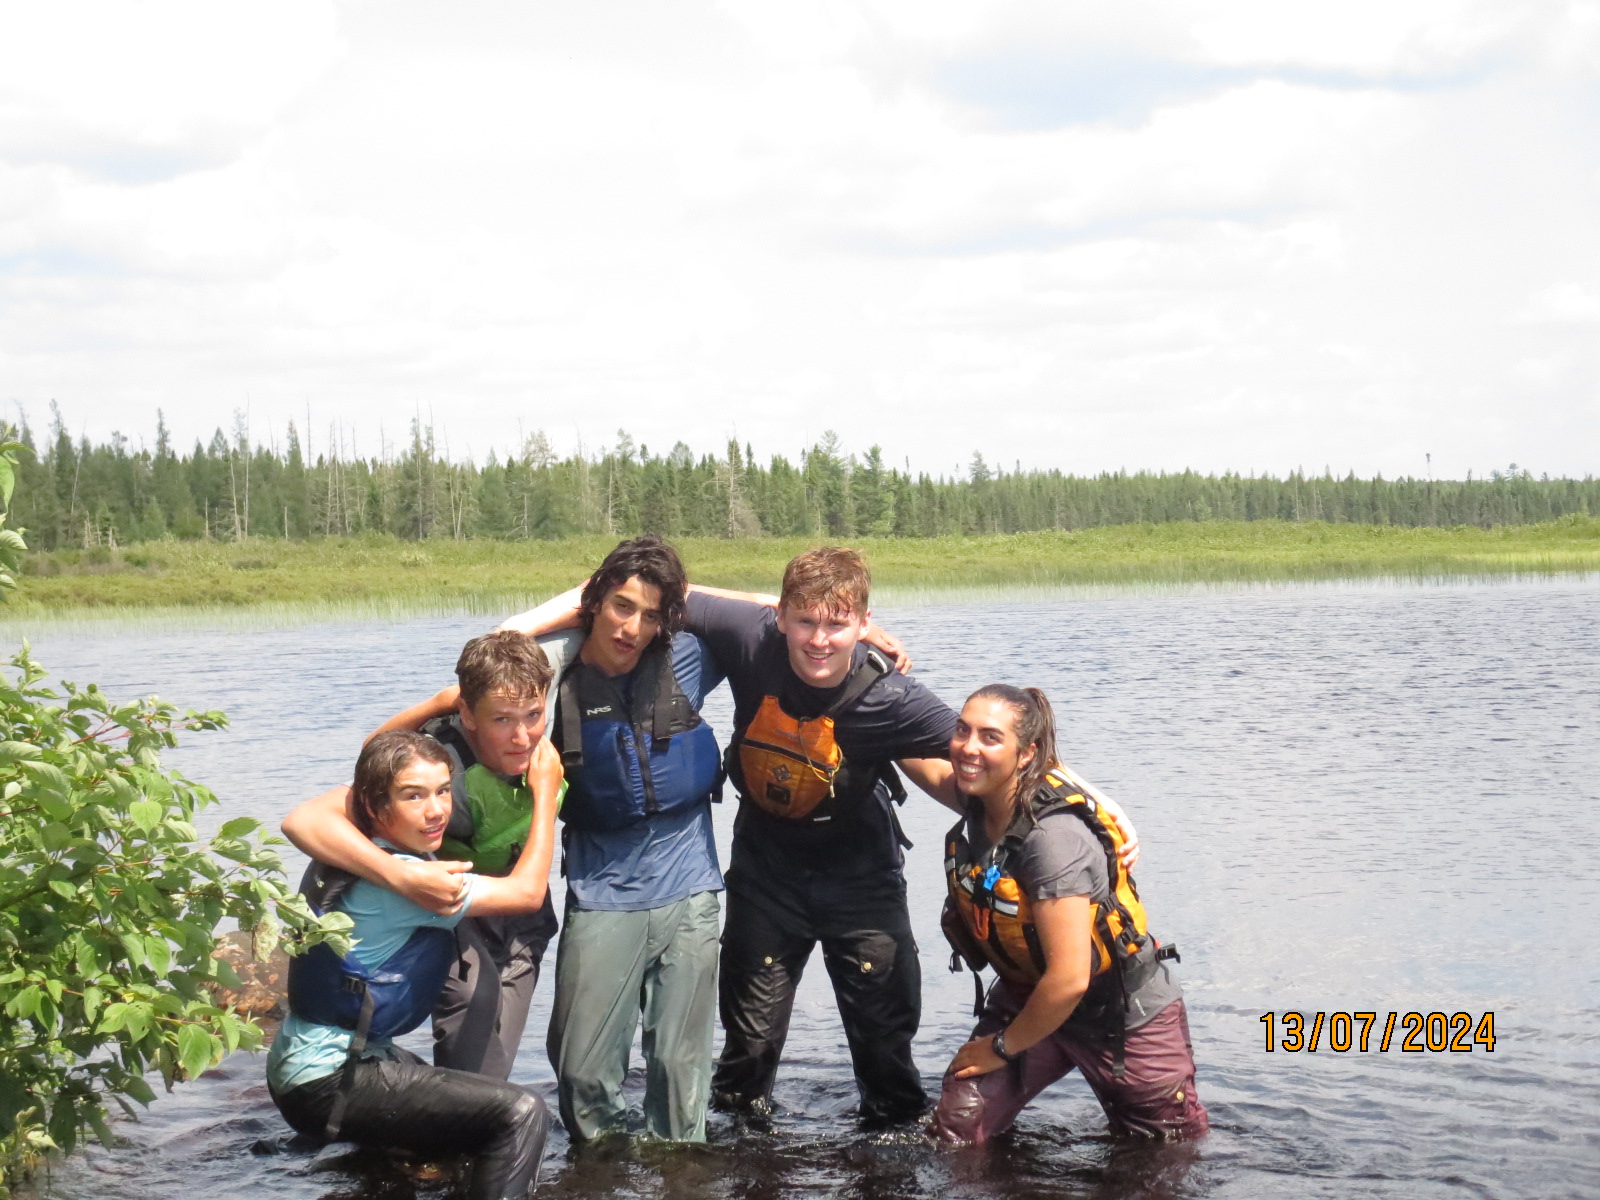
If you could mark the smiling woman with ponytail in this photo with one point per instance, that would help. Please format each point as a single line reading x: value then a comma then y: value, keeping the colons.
x: 1039, y: 890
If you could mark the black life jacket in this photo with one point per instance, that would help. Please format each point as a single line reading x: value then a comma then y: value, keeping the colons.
x: 792, y: 767
x: 384, y: 1001
x: 628, y: 760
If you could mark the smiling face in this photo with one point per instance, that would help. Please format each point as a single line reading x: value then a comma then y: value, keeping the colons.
x: 628, y: 620
x: 418, y: 808
x: 504, y: 730
x: 984, y: 749
x: 821, y: 641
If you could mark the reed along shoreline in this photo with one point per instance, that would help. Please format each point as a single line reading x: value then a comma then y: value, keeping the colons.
x: 381, y: 574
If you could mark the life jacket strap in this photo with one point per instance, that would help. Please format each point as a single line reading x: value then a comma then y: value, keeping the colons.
x: 571, y: 719
x: 358, y: 1046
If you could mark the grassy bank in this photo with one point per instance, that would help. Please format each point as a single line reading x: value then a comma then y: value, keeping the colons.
x: 380, y: 574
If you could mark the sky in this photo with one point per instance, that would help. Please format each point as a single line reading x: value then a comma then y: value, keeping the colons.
x: 1155, y: 234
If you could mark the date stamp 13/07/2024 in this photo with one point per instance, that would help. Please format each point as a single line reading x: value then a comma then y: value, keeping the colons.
x: 1365, y: 1032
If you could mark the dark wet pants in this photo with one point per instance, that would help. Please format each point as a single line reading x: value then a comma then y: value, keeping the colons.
x: 483, y: 1007
x: 408, y: 1105
x: 877, y: 982
x: 1154, y: 1097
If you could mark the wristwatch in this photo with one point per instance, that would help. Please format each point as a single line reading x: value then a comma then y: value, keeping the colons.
x: 998, y: 1044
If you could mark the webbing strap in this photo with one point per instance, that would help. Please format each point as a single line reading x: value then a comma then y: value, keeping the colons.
x: 571, y: 719
x: 873, y: 668
x: 358, y: 1045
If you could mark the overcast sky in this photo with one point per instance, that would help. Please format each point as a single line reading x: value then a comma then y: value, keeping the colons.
x: 1167, y: 234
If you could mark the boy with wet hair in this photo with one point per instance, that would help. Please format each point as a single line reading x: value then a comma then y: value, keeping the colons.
x: 493, y: 737
x: 817, y: 857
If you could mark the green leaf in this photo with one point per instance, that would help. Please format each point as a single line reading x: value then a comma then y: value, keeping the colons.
x: 62, y: 888
x: 138, y: 1089
x: 160, y: 954
x: 55, y: 836
x: 197, y: 1050
x: 146, y: 814
x: 238, y: 827
x: 12, y: 751
x: 8, y: 480
x: 133, y: 945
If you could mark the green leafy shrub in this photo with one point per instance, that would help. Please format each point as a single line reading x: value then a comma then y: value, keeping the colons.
x: 110, y: 902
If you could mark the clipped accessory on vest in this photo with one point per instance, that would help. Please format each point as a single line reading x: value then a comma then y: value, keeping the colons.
x: 988, y: 917
x: 791, y: 767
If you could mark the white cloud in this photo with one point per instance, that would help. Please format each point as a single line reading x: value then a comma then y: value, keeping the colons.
x: 1216, y: 234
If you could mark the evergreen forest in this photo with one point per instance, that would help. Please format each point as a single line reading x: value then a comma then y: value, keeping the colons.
x: 78, y: 494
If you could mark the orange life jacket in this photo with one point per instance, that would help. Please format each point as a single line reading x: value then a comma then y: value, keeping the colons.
x: 792, y: 767
x: 988, y: 917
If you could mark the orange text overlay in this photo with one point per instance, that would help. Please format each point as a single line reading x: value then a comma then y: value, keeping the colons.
x: 1365, y: 1032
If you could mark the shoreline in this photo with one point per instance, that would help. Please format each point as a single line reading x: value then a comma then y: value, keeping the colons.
x: 264, y: 582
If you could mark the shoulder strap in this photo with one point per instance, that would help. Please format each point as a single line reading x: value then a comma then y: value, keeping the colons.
x: 445, y: 730
x: 871, y: 669
x: 323, y: 884
x: 570, y: 711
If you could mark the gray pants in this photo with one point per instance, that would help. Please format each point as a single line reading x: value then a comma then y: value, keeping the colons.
x: 480, y: 1014
x: 613, y: 968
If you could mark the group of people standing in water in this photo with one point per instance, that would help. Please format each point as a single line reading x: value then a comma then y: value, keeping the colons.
x: 583, y: 715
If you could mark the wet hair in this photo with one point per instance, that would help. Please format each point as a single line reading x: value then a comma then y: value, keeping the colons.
x: 504, y: 662
x: 831, y: 578
x: 1034, y: 723
x: 655, y: 562
x: 384, y: 757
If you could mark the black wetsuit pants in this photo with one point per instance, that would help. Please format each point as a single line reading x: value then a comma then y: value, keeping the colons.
x: 408, y: 1105
x: 877, y: 982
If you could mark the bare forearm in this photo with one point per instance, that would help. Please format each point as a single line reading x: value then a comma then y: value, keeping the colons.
x: 555, y: 614
x: 418, y: 715
x: 1051, y: 1003
x: 936, y: 777
x: 321, y: 829
x: 524, y: 889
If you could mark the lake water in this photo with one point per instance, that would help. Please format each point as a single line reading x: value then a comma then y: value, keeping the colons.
x: 1352, y: 798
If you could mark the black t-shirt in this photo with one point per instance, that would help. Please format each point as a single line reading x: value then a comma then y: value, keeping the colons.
x: 896, y: 717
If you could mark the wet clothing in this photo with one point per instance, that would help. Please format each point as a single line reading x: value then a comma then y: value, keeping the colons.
x: 834, y: 877
x: 401, y: 1103
x: 1060, y: 857
x: 1154, y: 1097
x: 640, y: 936
x: 387, y: 1096
x: 478, y: 1023
x: 872, y: 962
x: 1135, y: 1055
x: 614, y: 970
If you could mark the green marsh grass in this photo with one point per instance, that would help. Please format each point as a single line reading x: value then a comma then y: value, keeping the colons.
x: 263, y: 581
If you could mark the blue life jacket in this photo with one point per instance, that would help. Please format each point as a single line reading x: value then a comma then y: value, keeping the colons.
x: 628, y: 760
x: 383, y: 1001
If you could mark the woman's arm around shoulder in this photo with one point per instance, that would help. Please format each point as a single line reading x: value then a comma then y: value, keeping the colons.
x: 321, y: 828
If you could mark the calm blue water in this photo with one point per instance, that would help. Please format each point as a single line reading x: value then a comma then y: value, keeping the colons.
x: 1377, y: 797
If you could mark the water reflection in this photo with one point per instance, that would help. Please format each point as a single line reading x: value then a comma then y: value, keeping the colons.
x: 1351, y: 799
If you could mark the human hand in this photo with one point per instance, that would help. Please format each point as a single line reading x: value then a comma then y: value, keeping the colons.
x: 439, y: 886
x: 877, y: 635
x: 977, y: 1057
x: 544, y: 770
x: 1128, y: 854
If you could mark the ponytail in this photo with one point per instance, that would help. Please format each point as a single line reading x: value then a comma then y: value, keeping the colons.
x: 1034, y: 724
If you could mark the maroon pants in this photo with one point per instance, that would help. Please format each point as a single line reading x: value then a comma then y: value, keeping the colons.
x: 1154, y: 1098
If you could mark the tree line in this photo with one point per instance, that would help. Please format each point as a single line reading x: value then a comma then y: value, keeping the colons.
x: 77, y: 493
